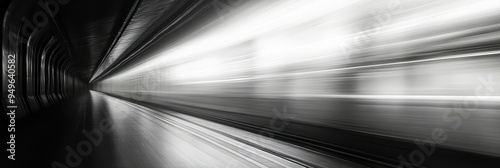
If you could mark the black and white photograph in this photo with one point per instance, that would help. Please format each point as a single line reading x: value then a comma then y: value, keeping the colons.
x: 250, y: 83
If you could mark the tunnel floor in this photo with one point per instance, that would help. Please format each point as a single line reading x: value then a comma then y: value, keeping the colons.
x: 97, y: 130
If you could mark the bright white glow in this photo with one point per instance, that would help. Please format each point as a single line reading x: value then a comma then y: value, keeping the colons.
x: 241, y: 25
x: 202, y: 69
x: 445, y: 15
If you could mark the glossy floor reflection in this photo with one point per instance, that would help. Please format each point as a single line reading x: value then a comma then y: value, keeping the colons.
x: 105, y: 131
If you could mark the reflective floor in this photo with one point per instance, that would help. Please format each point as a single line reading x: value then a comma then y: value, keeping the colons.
x: 97, y: 130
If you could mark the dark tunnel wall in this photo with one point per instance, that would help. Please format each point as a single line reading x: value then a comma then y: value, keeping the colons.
x: 37, y: 62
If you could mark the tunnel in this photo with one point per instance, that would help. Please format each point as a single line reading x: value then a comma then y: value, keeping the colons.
x: 251, y: 83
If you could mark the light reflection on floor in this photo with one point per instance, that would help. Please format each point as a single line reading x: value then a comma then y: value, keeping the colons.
x: 142, y: 139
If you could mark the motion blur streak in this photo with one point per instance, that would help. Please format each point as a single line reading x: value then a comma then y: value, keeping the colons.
x: 362, y: 78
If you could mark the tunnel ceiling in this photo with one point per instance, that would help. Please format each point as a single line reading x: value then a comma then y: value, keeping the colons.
x: 90, y: 27
x: 87, y: 28
x: 99, y: 34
